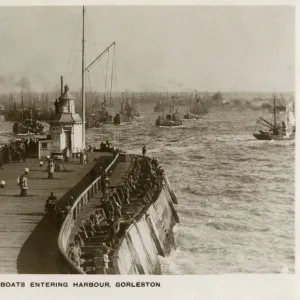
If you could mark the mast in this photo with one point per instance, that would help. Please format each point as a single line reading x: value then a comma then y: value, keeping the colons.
x: 22, y: 106
x: 83, y: 80
x: 274, y: 111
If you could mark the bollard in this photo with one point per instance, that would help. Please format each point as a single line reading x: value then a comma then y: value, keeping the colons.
x: 2, y: 184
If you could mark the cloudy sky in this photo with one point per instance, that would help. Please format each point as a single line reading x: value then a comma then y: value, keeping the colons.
x: 157, y: 48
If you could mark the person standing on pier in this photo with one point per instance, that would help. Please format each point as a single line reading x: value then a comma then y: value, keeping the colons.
x: 1, y: 158
x: 144, y: 150
x: 50, y: 169
x: 23, y: 184
x: 75, y: 253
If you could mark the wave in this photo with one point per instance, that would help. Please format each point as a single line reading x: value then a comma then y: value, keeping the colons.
x: 225, y: 226
x: 196, y: 156
x: 173, y: 127
x: 191, y: 190
x: 242, y: 159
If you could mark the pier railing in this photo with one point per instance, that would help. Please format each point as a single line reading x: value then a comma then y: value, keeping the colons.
x: 82, y: 200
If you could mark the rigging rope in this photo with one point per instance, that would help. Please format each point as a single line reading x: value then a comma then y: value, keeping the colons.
x: 95, y: 45
x: 105, y: 86
x: 90, y: 82
x: 111, y: 78
x: 75, y: 63
x: 72, y: 49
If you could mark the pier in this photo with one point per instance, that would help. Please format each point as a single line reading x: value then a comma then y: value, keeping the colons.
x: 28, y: 240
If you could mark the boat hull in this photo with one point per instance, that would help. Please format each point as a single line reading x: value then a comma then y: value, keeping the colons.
x: 269, y: 137
x: 19, y: 128
x: 167, y: 123
x: 262, y: 137
x: 121, y: 118
x: 190, y: 116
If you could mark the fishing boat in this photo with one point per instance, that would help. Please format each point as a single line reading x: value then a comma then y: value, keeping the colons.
x: 162, y: 102
x: 29, y: 125
x: 148, y: 215
x: 2, y: 113
x: 170, y: 119
x: 98, y: 117
x: 197, y: 109
x: 159, y: 107
x: 127, y: 112
x: 275, y: 130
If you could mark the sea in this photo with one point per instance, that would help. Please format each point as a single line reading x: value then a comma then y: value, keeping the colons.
x: 236, y: 194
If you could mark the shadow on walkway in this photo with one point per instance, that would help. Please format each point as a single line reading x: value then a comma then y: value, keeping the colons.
x: 39, y: 254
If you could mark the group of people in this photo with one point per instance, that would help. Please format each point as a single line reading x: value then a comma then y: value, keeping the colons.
x: 144, y: 181
x: 107, y: 147
x: 58, y: 212
x: 17, y: 151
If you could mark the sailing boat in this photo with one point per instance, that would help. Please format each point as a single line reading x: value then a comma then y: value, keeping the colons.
x: 98, y: 116
x: 171, y: 119
x: 127, y: 112
x: 198, y: 109
x: 28, y: 125
x: 159, y: 106
x: 276, y: 131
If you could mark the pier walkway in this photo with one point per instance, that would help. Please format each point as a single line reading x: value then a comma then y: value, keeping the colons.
x: 28, y: 240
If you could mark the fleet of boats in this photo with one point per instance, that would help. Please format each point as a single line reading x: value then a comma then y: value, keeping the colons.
x: 29, y: 120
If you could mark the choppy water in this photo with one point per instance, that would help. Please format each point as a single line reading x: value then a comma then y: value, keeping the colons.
x: 236, y: 194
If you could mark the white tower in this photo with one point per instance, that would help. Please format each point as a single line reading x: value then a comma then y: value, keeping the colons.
x: 66, y: 126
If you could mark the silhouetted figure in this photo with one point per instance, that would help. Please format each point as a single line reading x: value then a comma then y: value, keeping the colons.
x: 144, y: 150
x: 23, y: 184
x: 75, y: 253
x: 56, y: 104
x: 50, y: 169
x: 1, y: 158
x: 51, y: 203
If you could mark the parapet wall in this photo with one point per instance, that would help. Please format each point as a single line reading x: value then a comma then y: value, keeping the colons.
x: 147, y: 238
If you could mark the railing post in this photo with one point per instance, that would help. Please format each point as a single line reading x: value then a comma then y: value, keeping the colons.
x: 75, y: 213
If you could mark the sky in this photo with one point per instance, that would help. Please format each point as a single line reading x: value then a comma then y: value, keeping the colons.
x: 172, y: 48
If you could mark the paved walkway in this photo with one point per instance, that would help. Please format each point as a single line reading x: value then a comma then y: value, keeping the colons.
x: 28, y: 239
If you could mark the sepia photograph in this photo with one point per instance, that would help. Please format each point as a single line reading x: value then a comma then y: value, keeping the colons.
x: 156, y: 140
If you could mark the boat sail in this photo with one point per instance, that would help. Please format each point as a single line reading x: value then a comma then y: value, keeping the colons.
x: 290, y: 119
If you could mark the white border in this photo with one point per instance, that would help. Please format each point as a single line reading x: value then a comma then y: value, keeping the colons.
x: 241, y: 287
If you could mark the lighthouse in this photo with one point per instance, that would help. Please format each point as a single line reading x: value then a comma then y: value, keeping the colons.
x: 65, y: 128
